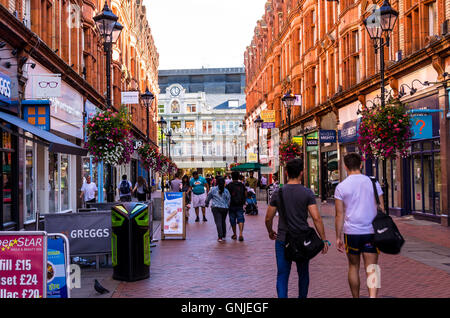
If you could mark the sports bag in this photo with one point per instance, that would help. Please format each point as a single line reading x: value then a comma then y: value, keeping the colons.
x: 124, y: 187
x: 387, y: 237
x: 300, y: 246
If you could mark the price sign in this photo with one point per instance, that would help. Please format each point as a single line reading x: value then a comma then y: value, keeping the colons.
x: 23, y: 264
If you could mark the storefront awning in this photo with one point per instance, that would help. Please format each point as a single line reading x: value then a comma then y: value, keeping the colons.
x: 55, y: 143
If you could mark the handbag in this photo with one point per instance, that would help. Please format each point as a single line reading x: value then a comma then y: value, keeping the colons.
x: 387, y: 237
x: 300, y: 246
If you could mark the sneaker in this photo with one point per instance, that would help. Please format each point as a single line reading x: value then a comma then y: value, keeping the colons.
x: 197, y: 219
x: 219, y: 240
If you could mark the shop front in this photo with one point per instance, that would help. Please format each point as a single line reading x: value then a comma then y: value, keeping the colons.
x: 57, y: 178
x: 329, y: 163
x: 422, y: 169
x: 312, y: 161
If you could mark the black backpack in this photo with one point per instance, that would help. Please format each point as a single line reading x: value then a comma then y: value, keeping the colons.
x: 237, y: 193
x: 387, y: 237
x: 124, y: 187
x: 300, y: 246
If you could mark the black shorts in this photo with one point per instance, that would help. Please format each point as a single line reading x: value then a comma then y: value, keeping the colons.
x: 359, y: 243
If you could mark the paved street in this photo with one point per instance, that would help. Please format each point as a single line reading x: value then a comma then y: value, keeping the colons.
x: 200, y: 267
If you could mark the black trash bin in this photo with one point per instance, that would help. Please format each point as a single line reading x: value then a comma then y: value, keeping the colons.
x: 130, y: 241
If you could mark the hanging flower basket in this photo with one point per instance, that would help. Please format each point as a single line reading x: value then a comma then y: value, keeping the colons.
x: 384, y: 132
x: 149, y: 157
x: 289, y: 150
x: 109, y: 137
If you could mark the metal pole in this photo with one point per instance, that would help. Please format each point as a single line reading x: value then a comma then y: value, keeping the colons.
x: 149, y: 185
x: 109, y: 167
x: 162, y: 151
x: 289, y: 121
x: 383, y: 104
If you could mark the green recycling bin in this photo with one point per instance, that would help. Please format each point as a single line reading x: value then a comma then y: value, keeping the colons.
x: 130, y: 241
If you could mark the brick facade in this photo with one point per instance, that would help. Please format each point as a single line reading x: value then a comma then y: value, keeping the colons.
x: 67, y: 28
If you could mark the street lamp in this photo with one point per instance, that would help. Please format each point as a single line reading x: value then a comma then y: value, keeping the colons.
x: 162, y: 124
x: 288, y: 99
x: 109, y: 30
x: 258, y: 121
x: 379, y: 25
x: 147, y: 99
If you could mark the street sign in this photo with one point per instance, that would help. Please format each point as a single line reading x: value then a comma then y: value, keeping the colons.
x: 422, y: 127
x: 298, y: 100
x: 5, y: 88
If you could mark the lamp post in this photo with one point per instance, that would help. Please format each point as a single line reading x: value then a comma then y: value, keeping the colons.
x: 109, y: 30
x: 288, y: 99
x: 379, y: 25
x: 147, y: 99
x: 169, y: 141
x: 258, y: 121
x: 162, y: 124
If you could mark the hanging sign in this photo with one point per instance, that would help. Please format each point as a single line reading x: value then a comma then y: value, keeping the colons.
x: 268, y: 116
x: 298, y: 140
x: 23, y: 264
x: 173, y: 221
x: 422, y: 127
x: 252, y: 157
x: 298, y: 100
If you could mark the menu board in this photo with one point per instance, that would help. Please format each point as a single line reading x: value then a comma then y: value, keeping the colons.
x: 173, y: 217
x: 23, y: 269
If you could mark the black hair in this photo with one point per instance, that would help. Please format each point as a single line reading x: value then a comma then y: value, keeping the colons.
x: 235, y: 175
x: 221, y: 184
x: 294, y: 167
x: 185, y: 180
x: 195, y: 173
x: 352, y: 161
x: 124, y: 177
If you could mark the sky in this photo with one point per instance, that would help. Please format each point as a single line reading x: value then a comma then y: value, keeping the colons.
x: 202, y: 33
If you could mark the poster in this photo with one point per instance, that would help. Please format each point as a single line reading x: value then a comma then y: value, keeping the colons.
x: 173, y: 213
x: 23, y: 259
x: 56, y: 268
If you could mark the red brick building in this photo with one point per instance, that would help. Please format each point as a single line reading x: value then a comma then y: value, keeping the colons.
x: 321, y: 50
x: 60, y: 37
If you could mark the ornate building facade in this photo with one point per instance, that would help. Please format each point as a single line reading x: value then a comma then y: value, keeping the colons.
x: 321, y: 51
x: 60, y: 39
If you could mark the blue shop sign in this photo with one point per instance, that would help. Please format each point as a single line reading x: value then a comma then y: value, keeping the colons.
x: 327, y: 136
x: 5, y: 88
x: 422, y: 127
x: 349, y: 131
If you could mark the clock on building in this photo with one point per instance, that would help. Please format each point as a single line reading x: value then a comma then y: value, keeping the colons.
x: 175, y: 91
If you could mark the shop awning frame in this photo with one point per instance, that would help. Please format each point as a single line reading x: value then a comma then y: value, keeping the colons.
x: 54, y: 142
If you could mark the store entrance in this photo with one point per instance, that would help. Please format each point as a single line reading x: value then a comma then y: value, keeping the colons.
x: 330, y: 174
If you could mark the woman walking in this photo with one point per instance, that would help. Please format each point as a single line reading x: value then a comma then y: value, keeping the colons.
x: 185, y: 187
x: 141, y: 189
x: 220, y: 198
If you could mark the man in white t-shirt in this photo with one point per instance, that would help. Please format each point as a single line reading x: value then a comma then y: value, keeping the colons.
x: 89, y: 191
x: 355, y: 210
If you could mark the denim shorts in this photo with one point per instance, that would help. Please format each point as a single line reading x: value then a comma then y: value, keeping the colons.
x: 236, y: 215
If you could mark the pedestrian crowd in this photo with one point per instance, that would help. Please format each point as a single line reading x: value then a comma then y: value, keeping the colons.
x: 358, y: 202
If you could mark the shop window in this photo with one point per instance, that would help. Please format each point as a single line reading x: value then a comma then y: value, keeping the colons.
x: 207, y: 127
x: 160, y: 109
x: 191, y: 108
x: 58, y: 183
x: 6, y: 182
x: 30, y: 181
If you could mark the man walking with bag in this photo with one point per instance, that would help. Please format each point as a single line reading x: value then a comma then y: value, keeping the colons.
x: 355, y: 210
x: 297, y: 201
x: 238, y: 194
